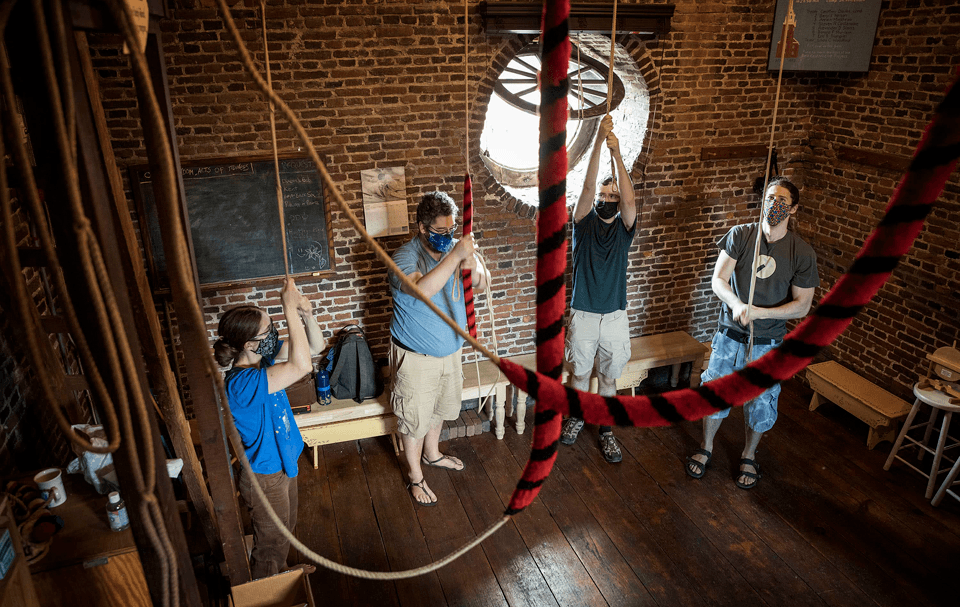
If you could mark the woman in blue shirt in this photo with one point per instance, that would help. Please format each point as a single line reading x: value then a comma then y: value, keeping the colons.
x: 261, y: 366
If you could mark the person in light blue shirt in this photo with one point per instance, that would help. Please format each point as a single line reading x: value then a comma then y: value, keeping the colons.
x: 261, y: 367
x: 424, y: 351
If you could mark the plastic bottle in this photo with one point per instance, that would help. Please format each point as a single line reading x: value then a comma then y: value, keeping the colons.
x: 323, y: 387
x: 117, y: 512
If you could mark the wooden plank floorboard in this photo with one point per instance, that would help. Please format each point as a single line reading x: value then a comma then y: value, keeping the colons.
x: 613, y: 575
x: 700, y: 573
x: 843, y: 435
x: 317, y: 529
x: 568, y: 579
x: 630, y: 532
x: 757, y: 563
x: 794, y: 531
x: 517, y: 573
x: 469, y: 580
x: 360, y: 537
x: 403, y: 539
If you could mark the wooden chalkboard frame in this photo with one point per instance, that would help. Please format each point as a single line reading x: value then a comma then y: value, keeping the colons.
x: 142, y: 189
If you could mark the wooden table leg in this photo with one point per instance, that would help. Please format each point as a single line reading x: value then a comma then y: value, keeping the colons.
x: 674, y: 375
x: 815, y: 402
x: 695, y: 371
x: 499, y: 409
x: 521, y: 411
x: 316, y: 461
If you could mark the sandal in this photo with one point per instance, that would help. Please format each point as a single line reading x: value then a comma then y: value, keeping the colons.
x: 755, y: 476
x: 436, y: 463
x: 701, y: 466
x: 420, y: 486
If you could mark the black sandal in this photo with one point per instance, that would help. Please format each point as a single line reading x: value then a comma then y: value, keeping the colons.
x: 420, y: 486
x: 755, y: 476
x: 701, y: 465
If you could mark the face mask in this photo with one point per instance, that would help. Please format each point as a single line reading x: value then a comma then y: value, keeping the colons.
x: 269, y: 345
x: 607, y: 208
x: 777, y: 212
x: 440, y: 242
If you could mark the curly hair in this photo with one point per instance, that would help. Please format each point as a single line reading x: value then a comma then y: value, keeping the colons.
x: 433, y: 205
x: 237, y: 326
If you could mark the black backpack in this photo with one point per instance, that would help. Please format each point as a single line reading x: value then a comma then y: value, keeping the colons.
x: 353, y: 373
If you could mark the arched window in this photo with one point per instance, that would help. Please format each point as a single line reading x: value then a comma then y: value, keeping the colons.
x: 509, y: 140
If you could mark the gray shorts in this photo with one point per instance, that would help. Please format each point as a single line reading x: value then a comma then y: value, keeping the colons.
x: 598, y: 341
x: 426, y: 390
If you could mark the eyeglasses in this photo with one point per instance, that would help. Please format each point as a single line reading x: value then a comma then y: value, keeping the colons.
x: 449, y: 232
x: 265, y: 334
x: 781, y: 199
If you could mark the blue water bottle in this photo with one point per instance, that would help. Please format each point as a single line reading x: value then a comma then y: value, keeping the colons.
x: 323, y: 387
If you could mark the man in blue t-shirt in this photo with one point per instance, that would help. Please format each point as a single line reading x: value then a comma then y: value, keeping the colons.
x: 598, y: 335
x: 786, y: 277
x: 424, y: 350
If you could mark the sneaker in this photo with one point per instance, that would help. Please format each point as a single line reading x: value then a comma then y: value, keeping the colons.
x: 610, y: 448
x: 571, y: 428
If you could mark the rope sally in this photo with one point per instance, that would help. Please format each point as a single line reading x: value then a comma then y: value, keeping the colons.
x: 551, y: 243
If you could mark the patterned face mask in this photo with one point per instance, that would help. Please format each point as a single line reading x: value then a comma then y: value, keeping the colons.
x: 440, y: 242
x: 269, y: 345
x: 778, y: 209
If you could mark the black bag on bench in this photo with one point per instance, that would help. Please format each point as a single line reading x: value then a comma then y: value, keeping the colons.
x: 353, y: 373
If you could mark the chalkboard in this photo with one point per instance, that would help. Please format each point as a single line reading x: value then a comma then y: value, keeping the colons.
x: 833, y: 35
x: 234, y: 222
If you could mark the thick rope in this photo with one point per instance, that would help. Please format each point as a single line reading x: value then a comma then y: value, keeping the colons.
x: 551, y: 243
x: 273, y: 137
x: 763, y: 192
x: 613, y: 52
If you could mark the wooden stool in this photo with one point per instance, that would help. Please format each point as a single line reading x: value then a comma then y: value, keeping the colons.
x: 937, y: 400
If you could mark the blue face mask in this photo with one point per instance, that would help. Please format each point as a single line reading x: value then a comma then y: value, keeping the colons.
x: 440, y: 242
x: 269, y: 345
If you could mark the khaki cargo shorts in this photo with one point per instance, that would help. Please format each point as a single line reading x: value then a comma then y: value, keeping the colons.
x: 600, y: 341
x: 426, y: 390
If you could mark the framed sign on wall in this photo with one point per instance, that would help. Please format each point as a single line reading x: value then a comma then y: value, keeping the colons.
x: 829, y: 35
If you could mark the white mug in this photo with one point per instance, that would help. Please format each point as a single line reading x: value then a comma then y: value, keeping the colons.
x: 50, y: 482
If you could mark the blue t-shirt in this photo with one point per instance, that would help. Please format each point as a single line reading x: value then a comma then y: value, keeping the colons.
x: 414, y: 324
x: 600, y: 264
x: 265, y: 421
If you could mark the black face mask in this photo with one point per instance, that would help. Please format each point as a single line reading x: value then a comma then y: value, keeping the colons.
x: 269, y: 345
x: 607, y: 208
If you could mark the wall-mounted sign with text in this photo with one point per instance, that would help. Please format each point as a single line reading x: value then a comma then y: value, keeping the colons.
x: 829, y: 35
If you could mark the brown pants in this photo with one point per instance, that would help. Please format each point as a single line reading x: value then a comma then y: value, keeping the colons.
x: 270, y: 547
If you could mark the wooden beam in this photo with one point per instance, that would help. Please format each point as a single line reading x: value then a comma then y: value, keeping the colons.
x: 193, y: 330
x: 732, y: 152
x: 147, y: 321
x: 874, y: 159
x: 524, y: 18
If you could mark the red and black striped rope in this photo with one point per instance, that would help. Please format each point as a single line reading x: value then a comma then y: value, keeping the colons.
x: 551, y: 241
x: 467, y: 274
x: 932, y: 165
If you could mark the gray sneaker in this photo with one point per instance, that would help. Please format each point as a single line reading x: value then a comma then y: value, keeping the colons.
x: 571, y: 428
x: 610, y: 448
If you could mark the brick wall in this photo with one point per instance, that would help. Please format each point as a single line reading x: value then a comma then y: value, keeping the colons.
x: 380, y: 84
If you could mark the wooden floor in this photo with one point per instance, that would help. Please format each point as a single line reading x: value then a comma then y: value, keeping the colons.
x: 825, y: 526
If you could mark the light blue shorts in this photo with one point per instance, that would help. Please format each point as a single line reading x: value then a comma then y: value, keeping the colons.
x: 729, y: 355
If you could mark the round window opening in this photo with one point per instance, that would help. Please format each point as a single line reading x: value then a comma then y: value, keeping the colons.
x: 509, y: 140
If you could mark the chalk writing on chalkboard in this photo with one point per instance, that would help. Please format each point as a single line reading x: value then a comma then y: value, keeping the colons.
x: 834, y: 35
x: 234, y: 222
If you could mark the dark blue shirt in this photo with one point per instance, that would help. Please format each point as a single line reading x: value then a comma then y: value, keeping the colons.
x: 265, y: 421
x: 600, y: 264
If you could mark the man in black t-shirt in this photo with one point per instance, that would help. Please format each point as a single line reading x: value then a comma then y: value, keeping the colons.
x: 598, y: 336
x: 786, y: 278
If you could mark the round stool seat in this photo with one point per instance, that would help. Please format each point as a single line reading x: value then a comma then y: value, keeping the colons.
x: 936, y: 398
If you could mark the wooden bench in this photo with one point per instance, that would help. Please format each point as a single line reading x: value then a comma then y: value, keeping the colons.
x: 345, y: 419
x: 646, y: 352
x: 878, y: 408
